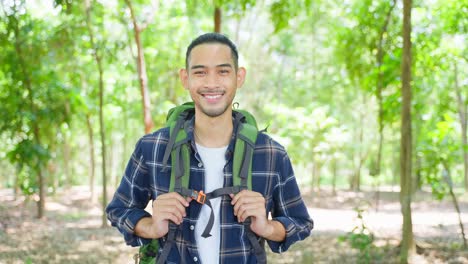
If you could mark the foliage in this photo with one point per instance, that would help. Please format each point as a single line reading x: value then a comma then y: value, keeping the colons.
x: 360, y: 238
x: 437, y: 148
x: 312, y: 80
x: 35, y: 99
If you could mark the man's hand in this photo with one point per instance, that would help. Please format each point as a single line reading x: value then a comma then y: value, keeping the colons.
x: 252, y: 204
x: 167, y: 207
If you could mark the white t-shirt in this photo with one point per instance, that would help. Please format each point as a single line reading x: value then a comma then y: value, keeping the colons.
x: 213, y: 160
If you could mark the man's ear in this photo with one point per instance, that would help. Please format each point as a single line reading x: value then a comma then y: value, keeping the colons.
x: 183, y: 75
x: 241, y: 72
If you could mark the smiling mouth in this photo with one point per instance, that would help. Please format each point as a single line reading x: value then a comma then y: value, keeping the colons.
x: 212, y: 97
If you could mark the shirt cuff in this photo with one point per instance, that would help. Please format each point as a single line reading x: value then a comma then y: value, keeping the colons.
x: 129, y: 226
x: 279, y: 247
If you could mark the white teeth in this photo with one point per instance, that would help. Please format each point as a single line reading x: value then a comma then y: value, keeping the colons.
x: 213, y: 96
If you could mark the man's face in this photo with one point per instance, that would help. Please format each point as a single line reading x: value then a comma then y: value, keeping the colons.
x: 212, y: 79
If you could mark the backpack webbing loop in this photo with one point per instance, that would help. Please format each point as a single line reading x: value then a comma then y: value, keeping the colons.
x: 169, y: 242
x: 257, y: 243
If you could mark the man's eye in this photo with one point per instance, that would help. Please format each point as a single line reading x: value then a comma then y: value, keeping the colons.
x: 199, y: 72
x: 224, y: 71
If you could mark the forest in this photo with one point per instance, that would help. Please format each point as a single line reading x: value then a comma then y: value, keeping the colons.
x: 369, y: 98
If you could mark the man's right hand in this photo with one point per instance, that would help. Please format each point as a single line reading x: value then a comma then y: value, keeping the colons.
x: 167, y: 207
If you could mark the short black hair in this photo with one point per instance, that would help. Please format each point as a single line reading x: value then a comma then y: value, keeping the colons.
x: 213, y: 37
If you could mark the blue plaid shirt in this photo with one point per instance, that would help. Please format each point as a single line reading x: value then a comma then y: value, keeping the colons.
x: 272, y: 176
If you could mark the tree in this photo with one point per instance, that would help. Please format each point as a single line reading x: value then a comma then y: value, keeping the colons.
x: 141, y: 64
x: 380, y: 83
x: 407, y: 243
x: 462, y: 103
x: 97, y: 53
x: 38, y: 166
x: 217, y: 19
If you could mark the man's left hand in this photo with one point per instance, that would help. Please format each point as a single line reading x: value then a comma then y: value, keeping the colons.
x: 252, y: 204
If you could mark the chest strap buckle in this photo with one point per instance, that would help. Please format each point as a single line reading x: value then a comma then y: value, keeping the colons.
x: 200, y: 196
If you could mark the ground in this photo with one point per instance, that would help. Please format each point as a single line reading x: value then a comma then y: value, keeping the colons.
x: 71, y: 232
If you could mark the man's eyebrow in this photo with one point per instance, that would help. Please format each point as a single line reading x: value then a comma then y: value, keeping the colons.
x: 194, y: 67
x: 197, y: 67
x: 224, y: 65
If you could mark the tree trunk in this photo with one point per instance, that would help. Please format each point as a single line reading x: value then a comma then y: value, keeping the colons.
x: 312, y: 175
x: 17, y: 189
x: 448, y: 179
x: 418, y: 174
x: 67, y: 150
x: 66, y: 159
x: 217, y: 19
x: 407, y: 243
x: 142, y: 75
x: 353, y: 169
x: 462, y: 112
x: 316, y: 167
x: 380, y: 84
x: 98, y: 60
x: 92, y: 159
x: 123, y: 162
x: 362, y: 155
x: 335, y: 171
x: 34, y: 124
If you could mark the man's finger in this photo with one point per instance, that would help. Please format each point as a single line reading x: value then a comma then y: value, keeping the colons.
x: 176, y: 196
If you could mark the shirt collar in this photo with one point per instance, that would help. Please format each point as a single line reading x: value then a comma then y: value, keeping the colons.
x: 189, y: 127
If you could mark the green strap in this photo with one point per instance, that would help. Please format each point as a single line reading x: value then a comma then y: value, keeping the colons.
x: 243, y: 154
x: 180, y: 161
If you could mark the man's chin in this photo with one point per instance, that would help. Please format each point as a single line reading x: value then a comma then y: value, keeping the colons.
x: 214, y: 112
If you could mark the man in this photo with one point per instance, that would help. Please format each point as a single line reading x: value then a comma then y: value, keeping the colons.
x: 212, y: 77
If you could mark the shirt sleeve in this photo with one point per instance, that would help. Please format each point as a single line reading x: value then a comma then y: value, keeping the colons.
x: 131, y: 198
x: 289, y: 208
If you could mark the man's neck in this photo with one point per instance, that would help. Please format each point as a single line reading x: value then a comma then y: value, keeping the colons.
x: 213, y: 132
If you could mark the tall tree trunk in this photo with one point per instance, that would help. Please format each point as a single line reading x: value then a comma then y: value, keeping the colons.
x: 380, y: 84
x: 217, y: 19
x: 362, y: 154
x: 67, y: 150
x: 141, y: 67
x: 462, y: 112
x: 66, y: 161
x: 98, y: 60
x: 335, y: 171
x: 407, y: 243
x: 34, y: 124
x: 448, y: 179
x: 353, y: 169
x: 123, y: 162
x: 316, y: 167
x: 92, y: 159
x: 17, y: 189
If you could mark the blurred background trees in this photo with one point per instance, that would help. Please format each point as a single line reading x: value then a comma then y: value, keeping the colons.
x: 81, y: 81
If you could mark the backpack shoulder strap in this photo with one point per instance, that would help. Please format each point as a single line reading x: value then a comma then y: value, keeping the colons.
x: 179, y: 152
x: 243, y: 150
x: 242, y: 171
x: 178, y: 148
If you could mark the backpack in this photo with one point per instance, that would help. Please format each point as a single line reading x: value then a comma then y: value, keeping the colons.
x: 178, y: 150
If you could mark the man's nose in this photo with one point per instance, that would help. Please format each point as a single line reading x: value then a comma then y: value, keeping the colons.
x: 212, y: 80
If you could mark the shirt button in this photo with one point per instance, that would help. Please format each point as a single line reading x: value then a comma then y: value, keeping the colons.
x: 200, y: 165
x: 195, y: 259
x: 192, y: 227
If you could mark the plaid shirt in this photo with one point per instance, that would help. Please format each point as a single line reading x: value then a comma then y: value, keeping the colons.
x: 272, y: 176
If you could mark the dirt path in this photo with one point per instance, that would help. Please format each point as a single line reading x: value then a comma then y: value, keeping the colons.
x: 71, y: 231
